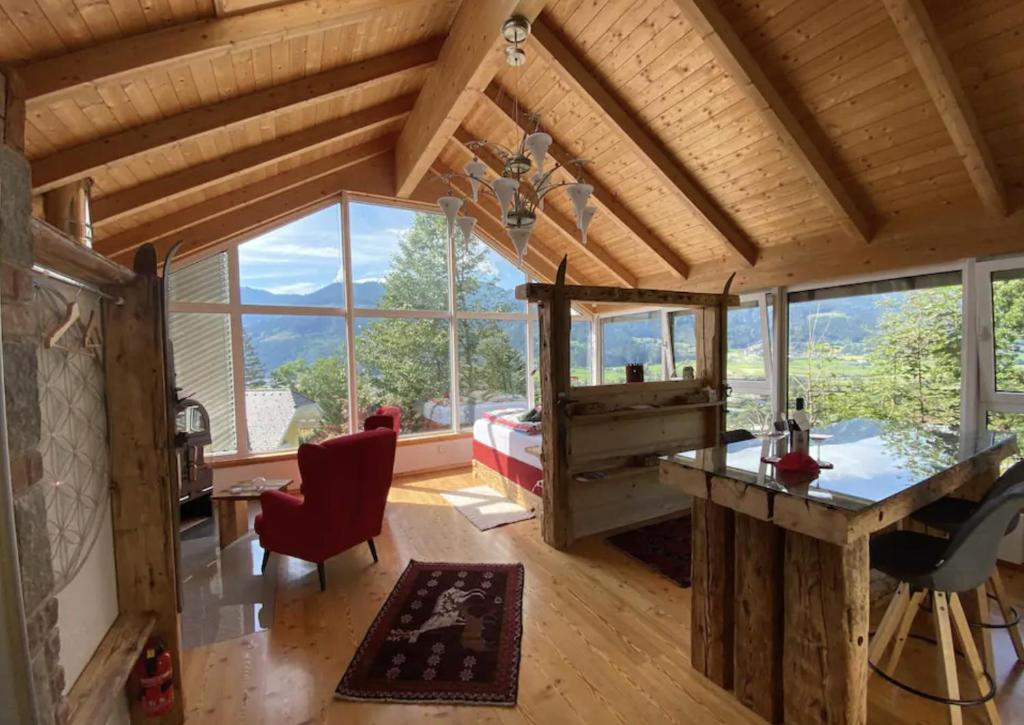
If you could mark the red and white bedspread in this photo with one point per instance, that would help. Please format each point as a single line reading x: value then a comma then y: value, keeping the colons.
x: 503, y: 449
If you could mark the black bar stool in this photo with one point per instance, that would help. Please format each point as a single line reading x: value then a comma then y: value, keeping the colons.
x: 735, y: 436
x: 939, y: 568
x: 949, y: 513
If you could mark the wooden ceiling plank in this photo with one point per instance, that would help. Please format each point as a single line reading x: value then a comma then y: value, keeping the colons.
x: 674, y: 177
x: 48, y: 81
x: 602, y: 196
x: 469, y: 60
x: 734, y: 56
x: 168, y: 225
x: 116, y: 206
x: 564, y: 226
x: 85, y: 159
x: 936, y: 69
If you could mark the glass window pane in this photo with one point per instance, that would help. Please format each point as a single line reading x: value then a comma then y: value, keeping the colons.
x: 1008, y: 328
x: 745, y: 359
x: 631, y: 339
x: 750, y: 411
x: 684, y: 341
x: 892, y: 356
x: 203, y: 371
x: 484, y: 280
x: 492, y: 367
x: 202, y: 281
x: 580, y: 363
x: 399, y: 258
x: 296, y: 384
x: 405, y: 362
x: 297, y: 264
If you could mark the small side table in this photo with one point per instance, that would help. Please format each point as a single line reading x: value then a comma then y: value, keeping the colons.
x: 231, y: 506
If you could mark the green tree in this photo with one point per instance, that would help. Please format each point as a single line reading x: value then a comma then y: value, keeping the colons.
x: 255, y: 373
x: 323, y: 381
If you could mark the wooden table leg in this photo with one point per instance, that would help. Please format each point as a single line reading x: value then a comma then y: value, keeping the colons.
x: 825, y: 650
x: 711, y: 613
x: 232, y: 520
x: 975, y: 605
x: 760, y: 551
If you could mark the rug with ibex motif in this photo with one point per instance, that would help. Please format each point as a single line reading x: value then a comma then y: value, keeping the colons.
x: 448, y: 633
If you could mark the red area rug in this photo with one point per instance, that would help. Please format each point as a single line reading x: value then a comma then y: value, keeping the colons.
x: 448, y: 633
x: 664, y: 547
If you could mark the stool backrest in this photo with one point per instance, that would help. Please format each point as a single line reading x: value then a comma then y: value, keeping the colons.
x: 971, y: 554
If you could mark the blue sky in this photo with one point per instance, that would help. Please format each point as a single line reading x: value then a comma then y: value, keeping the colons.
x: 305, y: 255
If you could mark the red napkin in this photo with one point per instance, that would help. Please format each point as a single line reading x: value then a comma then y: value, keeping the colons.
x: 797, y: 462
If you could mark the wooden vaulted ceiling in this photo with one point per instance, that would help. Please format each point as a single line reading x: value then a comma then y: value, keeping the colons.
x: 781, y: 139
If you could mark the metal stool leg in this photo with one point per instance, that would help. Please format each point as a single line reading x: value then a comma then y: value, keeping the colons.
x: 947, y: 655
x: 973, y: 658
x: 1007, y: 611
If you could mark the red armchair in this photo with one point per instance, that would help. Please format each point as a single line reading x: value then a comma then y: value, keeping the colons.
x: 386, y: 416
x: 345, y: 483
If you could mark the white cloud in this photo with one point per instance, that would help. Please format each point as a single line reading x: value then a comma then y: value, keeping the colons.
x: 299, y: 288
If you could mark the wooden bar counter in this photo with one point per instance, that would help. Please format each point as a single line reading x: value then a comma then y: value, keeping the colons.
x: 780, y: 561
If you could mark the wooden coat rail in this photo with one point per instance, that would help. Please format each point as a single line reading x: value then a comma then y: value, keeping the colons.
x: 601, y: 444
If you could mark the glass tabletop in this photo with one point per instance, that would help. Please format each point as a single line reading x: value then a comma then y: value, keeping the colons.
x: 872, y: 460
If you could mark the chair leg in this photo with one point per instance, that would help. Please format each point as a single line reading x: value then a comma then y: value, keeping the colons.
x: 322, y: 574
x: 903, y: 632
x: 1004, y: 606
x: 963, y: 631
x: 947, y: 654
x: 890, y: 620
x: 373, y: 550
x: 266, y: 558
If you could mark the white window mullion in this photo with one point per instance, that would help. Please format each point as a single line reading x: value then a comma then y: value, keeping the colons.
x: 237, y: 353
x: 350, y: 327
x: 453, y: 341
x: 780, y: 351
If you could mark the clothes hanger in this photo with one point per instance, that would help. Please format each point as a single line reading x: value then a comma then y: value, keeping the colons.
x: 71, y: 316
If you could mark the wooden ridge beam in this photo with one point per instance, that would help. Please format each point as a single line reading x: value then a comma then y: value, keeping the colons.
x: 468, y: 61
x: 604, y: 198
x: 568, y: 230
x: 617, y: 295
x: 373, y: 176
x: 729, y: 50
x: 59, y: 78
x: 612, y: 112
x: 85, y: 159
x: 940, y: 77
x: 164, y: 188
x: 165, y: 228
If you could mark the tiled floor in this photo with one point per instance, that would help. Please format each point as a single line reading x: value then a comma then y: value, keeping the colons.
x: 224, y: 594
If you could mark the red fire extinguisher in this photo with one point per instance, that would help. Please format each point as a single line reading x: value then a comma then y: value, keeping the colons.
x: 155, y: 676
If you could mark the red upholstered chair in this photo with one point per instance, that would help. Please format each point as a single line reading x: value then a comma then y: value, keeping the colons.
x: 345, y: 484
x: 378, y: 419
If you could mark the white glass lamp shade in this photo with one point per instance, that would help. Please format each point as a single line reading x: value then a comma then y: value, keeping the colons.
x: 505, y: 189
x: 585, y: 219
x: 538, y: 144
x: 580, y: 195
x: 450, y: 205
x: 520, y: 237
x: 475, y: 170
x: 466, y: 226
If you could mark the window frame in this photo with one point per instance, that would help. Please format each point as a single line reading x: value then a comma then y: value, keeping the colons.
x: 989, y: 397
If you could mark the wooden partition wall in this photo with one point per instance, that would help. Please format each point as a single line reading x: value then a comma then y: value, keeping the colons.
x: 601, y: 443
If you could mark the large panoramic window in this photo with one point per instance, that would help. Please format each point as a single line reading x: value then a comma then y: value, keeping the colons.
x: 264, y: 337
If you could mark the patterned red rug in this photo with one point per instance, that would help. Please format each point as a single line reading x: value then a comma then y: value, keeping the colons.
x: 448, y: 633
x: 664, y: 547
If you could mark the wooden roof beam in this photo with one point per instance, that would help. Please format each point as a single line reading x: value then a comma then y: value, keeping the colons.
x: 602, y: 197
x: 85, y: 159
x: 728, y: 49
x: 631, y: 132
x: 200, y: 176
x: 59, y: 78
x: 373, y: 176
x: 166, y: 228
x: 566, y: 228
x: 933, y: 63
x: 468, y: 61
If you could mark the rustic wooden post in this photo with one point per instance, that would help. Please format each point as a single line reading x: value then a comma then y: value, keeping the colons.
x: 140, y: 446
x: 554, y: 384
x: 825, y: 650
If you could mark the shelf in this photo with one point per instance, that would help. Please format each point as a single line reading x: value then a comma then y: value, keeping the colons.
x: 92, y: 698
x: 57, y: 251
x: 616, y: 474
x: 640, y: 412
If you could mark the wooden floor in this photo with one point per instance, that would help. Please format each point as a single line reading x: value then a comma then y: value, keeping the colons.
x: 605, y: 640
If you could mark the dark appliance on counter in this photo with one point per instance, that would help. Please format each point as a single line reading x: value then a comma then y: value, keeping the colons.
x: 191, y: 433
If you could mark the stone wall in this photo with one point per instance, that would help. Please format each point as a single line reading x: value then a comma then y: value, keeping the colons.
x: 20, y: 341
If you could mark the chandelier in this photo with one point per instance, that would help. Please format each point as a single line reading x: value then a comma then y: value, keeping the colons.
x: 523, y: 182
